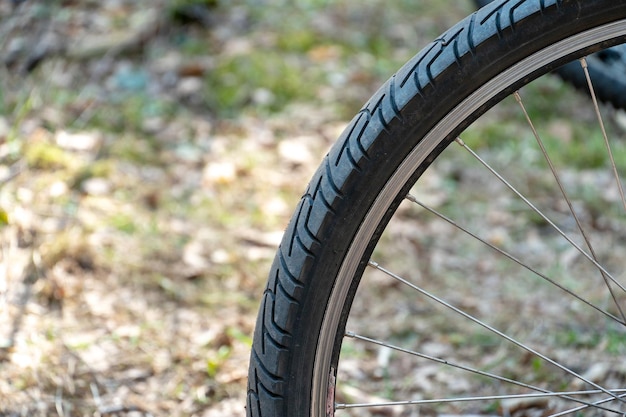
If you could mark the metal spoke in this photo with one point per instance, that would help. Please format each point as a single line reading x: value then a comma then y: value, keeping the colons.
x: 557, y: 178
x: 513, y: 258
x: 540, y: 213
x: 488, y: 327
x: 594, y: 405
x: 488, y: 398
x: 583, y: 63
x: 541, y: 392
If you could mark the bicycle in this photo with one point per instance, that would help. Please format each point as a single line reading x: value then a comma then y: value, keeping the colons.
x: 527, y: 260
x: 607, y: 68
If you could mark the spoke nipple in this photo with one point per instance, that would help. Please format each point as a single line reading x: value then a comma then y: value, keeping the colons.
x: 350, y: 334
x: 411, y: 198
x: 583, y: 62
x: 460, y: 141
x: 373, y: 264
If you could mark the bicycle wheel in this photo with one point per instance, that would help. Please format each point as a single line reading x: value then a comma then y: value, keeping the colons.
x: 542, y: 268
x: 607, y: 68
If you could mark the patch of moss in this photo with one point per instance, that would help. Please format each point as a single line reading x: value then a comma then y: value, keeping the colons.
x: 123, y: 223
x: 46, y: 155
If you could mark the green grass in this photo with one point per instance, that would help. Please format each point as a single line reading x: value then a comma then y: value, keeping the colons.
x: 265, y: 80
x: 612, y: 340
x: 279, y: 69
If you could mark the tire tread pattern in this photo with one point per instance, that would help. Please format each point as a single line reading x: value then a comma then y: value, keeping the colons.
x: 332, y: 181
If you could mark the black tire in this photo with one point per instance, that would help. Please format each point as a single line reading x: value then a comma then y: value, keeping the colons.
x: 607, y: 68
x: 305, y: 306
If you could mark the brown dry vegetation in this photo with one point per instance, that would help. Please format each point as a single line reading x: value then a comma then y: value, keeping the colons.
x: 150, y: 156
x: 151, y: 153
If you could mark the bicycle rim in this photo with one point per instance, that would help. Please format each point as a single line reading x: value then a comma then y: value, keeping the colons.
x: 445, y: 131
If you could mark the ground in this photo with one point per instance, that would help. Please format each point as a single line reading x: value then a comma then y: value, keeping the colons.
x: 150, y: 156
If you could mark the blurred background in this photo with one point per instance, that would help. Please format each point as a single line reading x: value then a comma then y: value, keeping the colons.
x: 151, y: 153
